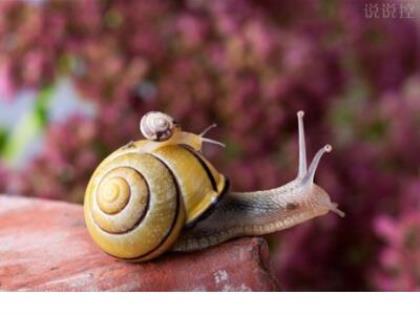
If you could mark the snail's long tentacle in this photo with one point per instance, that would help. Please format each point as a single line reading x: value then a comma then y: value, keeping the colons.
x: 302, y: 145
x: 213, y: 142
x: 202, y: 134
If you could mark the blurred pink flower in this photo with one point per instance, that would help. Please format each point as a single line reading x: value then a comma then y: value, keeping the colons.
x: 399, y: 261
x: 7, y: 89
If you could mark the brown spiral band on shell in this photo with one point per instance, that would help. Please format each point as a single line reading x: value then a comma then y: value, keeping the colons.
x: 124, y: 212
x: 177, y: 215
x: 203, y: 164
x: 130, y: 200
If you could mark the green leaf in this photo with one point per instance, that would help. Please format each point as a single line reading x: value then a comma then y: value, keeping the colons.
x: 3, y: 139
x: 28, y: 128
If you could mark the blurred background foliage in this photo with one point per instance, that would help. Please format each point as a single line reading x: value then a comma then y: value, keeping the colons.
x: 76, y: 76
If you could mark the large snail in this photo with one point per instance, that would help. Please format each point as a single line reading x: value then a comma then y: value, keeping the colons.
x: 161, y: 194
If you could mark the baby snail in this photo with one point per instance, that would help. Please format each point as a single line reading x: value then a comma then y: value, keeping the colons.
x: 161, y: 194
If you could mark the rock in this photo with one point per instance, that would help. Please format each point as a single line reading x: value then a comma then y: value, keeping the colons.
x: 44, y: 246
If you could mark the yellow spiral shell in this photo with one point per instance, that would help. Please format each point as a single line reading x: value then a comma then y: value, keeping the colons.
x: 141, y: 196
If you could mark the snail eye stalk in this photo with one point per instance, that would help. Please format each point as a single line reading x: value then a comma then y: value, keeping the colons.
x: 310, y: 174
x: 205, y: 131
x: 302, y: 145
x: 304, y: 174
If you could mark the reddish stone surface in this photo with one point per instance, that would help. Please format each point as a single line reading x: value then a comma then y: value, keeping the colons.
x: 44, y: 246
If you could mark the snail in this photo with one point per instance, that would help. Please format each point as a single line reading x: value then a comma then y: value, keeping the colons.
x: 161, y: 194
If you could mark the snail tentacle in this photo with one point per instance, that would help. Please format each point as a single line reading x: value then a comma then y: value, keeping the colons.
x: 310, y: 174
x: 302, y: 145
x: 221, y: 144
x: 208, y: 140
x: 205, y: 131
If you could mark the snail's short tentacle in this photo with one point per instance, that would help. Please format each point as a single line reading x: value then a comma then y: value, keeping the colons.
x: 337, y: 211
x: 310, y: 174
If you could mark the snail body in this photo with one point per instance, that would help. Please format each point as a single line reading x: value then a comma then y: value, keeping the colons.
x: 162, y: 194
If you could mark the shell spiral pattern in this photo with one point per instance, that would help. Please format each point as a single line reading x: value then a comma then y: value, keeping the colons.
x: 133, y: 206
x: 138, y: 201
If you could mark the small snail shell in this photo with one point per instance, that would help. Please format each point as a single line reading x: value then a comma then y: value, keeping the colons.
x: 152, y: 196
x: 157, y: 126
